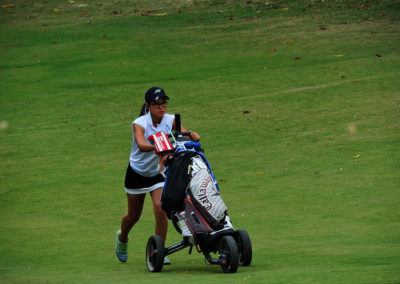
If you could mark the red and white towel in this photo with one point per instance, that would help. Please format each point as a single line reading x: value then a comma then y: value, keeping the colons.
x: 161, y: 142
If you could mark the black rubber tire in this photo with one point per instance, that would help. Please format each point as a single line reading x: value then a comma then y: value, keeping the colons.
x: 155, y: 253
x: 229, y: 254
x: 244, y: 246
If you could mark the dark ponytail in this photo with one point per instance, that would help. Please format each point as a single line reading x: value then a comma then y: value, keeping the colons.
x: 144, y: 110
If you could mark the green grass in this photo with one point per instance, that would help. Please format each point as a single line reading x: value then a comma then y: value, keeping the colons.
x: 297, y: 103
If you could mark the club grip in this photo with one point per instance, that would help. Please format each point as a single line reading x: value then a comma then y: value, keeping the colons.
x: 178, y: 122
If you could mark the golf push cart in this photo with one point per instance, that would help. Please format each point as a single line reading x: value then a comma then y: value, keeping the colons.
x: 192, y: 201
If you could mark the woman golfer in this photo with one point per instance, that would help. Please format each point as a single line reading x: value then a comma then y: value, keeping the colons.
x: 143, y: 173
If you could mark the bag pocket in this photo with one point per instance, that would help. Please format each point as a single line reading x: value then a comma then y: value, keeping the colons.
x: 195, y: 221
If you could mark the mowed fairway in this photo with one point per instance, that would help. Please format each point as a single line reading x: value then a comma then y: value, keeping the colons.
x: 297, y: 104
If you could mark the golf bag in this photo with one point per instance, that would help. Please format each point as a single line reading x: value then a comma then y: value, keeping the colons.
x: 191, y: 187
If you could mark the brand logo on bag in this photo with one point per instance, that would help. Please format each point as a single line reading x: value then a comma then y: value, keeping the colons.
x: 203, y: 193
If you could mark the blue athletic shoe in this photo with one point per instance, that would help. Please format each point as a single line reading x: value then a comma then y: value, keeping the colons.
x: 121, y: 249
x: 167, y: 261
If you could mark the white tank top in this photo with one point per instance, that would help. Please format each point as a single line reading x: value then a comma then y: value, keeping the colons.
x: 146, y: 163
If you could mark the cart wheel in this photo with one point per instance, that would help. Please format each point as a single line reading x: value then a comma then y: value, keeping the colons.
x: 244, y: 247
x: 155, y: 253
x: 228, y: 254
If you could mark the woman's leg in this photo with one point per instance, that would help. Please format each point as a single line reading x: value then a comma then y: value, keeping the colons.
x: 159, y: 214
x: 135, y: 208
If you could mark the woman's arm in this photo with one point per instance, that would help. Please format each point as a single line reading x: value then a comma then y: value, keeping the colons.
x: 138, y: 133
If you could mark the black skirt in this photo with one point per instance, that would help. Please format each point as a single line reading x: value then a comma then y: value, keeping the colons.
x: 133, y: 180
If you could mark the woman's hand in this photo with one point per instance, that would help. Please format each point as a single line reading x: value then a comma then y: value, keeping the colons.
x: 162, y: 158
x: 194, y: 136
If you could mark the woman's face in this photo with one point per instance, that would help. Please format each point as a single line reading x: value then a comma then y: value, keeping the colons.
x: 158, y: 108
